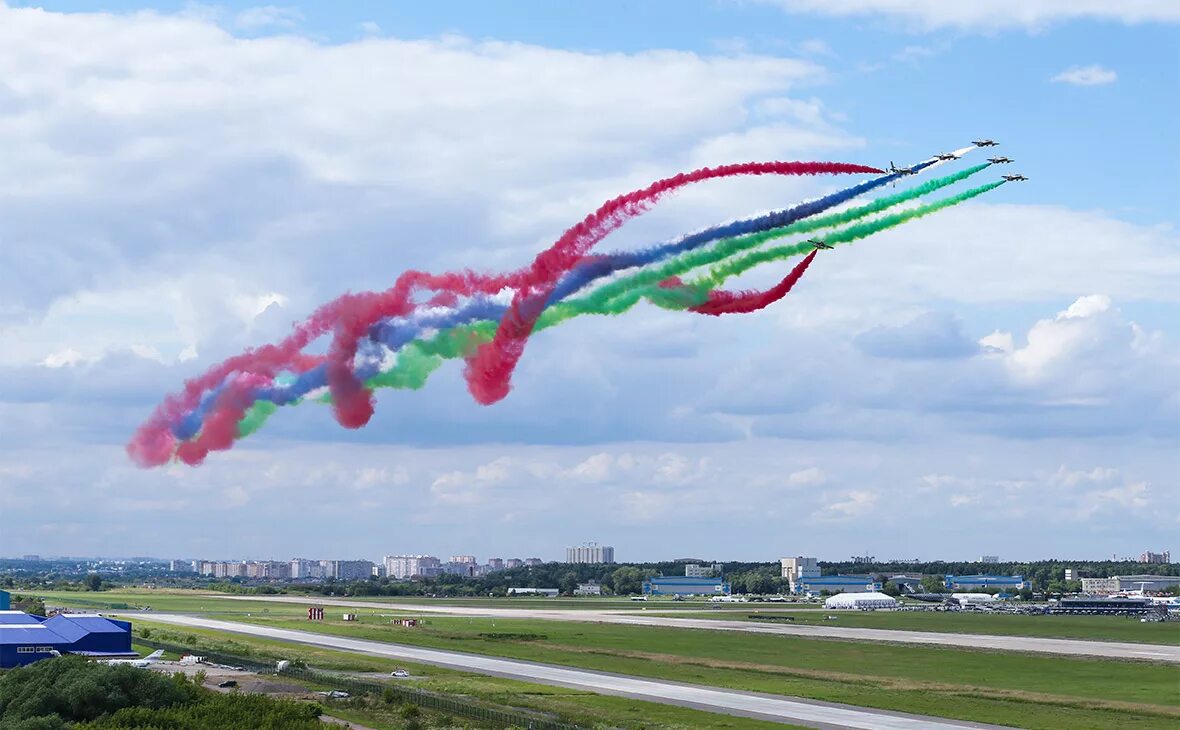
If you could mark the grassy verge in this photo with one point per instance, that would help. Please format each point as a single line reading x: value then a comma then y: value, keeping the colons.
x: 1015, y: 689
x: 583, y: 708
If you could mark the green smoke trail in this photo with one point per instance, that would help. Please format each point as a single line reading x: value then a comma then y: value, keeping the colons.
x: 742, y: 264
x: 417, y: 360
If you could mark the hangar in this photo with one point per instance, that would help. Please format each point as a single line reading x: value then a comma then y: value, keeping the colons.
x: 25, y: 638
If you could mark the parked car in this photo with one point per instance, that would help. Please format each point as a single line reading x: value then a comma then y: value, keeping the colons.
x: 228, y: 683
x: 399, y: 673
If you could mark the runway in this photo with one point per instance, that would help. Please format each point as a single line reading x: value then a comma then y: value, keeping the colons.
x: 1036, y: 644
x: 761, y: 706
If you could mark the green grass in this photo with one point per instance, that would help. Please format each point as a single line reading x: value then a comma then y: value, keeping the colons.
x: 583, y: 708
x: 1016, y: 689
x: 1094, y: 628
x: 1098, y: 628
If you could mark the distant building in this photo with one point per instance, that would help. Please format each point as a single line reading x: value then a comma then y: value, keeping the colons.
x: 863, y: 559
x: 860, y: 601
x: 1150, y: 557
x: 676, y: 585
x: 531, y: 562
x: 403, y: 567
x: 590, y: 553
x: 1099, y: 586
x: 989, y: 558
x: 5, y: 601
x: 798, y: 568
x: 495, y: 564
x: 547, y: 592
x: 696, y: 570
x: 378, y: 570
x: 1071, y: 574
x: 968, y: 582
x: 511, y: 563
x: 180, y: 566
x: 836, y: 584
x: 30, y: 557
x: 462, y: 560
x: 351, y: 569
x: 1146, y: 583
x: 302, y: 569
x: 589, y: 588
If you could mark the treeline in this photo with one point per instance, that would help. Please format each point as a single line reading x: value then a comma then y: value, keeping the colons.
x: 72, y: 692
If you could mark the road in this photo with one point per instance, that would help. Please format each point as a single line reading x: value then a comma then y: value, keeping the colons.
x: 1041, y: 645
x: 712, y: 699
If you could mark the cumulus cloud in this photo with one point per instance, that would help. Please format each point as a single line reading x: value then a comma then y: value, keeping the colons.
x: 1094, y: 75
x: 999, y: 14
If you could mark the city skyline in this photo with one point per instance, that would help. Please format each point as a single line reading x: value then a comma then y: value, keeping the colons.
x: 995, y: 380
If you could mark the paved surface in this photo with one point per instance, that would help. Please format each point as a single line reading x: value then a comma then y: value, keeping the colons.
x: 1074, y: 647
x: 732, y: 702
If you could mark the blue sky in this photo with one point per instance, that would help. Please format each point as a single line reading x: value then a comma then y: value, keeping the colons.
x: 185, y: 180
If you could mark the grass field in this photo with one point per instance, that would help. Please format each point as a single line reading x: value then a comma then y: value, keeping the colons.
x: 1018, y: 690
x: 1095, y: 628
x: 584, y: 708
x: 1099, y: 628
x: 1015, y: 689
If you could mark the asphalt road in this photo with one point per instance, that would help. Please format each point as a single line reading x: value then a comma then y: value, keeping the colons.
x: 1069, y: 647
x: 712, y: 699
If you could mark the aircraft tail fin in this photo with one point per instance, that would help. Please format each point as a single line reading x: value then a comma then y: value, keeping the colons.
x: 155, y: 654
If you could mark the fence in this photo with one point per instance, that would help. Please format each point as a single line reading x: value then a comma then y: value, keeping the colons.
x: 396, y: 693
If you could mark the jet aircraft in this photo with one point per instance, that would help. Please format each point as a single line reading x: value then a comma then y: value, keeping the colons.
x: 1013, y: 178
x: 137, y: 663
x: 818, y: 243
x: 895, y: 170
x: 946, y: 156
x: 999, y: 160
x: 985, y: 143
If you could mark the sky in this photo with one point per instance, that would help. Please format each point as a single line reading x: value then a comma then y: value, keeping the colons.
x: 181, y: 181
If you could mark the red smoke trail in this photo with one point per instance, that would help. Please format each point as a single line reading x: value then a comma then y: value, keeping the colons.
x: 489, y: 372
x: 350, y: 316
x: 741, y: 302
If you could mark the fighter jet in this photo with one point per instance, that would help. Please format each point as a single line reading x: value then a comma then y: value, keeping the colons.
x: 1014, y: 178
x: 895, y: 170
x: 999, y: 160
x: 818, y: 243
x: 985, y: 143
x: 946, y: 156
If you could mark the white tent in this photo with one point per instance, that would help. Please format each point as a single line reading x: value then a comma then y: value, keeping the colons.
x: 860, y: 601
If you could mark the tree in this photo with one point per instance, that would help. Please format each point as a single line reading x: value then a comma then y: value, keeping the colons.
x: 93, y: 582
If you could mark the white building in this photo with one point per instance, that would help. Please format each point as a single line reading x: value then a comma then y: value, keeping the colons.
x: 1150, y: 557
x: 303, y: 569
x: 1099, y: 586
x: 1128, y: 583
x: 989, y: 558
x: 590, y: 553
x: 589, y: 588
x: 511, y: 563
x: 693, y: 570
x: 402, y: 567
x: 860, y: 601
x: 462, y: 560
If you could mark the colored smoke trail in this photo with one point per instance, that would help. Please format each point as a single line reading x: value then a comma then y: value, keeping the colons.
x: 742, y: 264
x: 416, y: 360
x: 489, y: 372
x: 350, y: 316
x: 725, y: 302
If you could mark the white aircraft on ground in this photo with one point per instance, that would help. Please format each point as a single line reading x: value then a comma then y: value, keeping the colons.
x: 142, y: 663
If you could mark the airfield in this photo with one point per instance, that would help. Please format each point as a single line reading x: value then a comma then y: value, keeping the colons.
x: 664, y: 664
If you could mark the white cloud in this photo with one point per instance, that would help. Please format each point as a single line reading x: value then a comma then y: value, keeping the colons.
x: 997, y: 14
x: 1086, y: 76
x: 267, y: 16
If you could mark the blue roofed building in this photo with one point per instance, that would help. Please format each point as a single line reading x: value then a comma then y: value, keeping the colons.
x: 836, y: 584
x: 5, y: 601
x: 679, y: 585
x: 999, y: 582
x: 25, y: 638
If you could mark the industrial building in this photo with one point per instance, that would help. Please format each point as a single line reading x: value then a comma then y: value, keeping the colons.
x: 1127, y: 583
x: 679, y: 585
x: 836, y: 584
x: 861, y: 601
x: 25, y: 638
x: 999, y: 582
